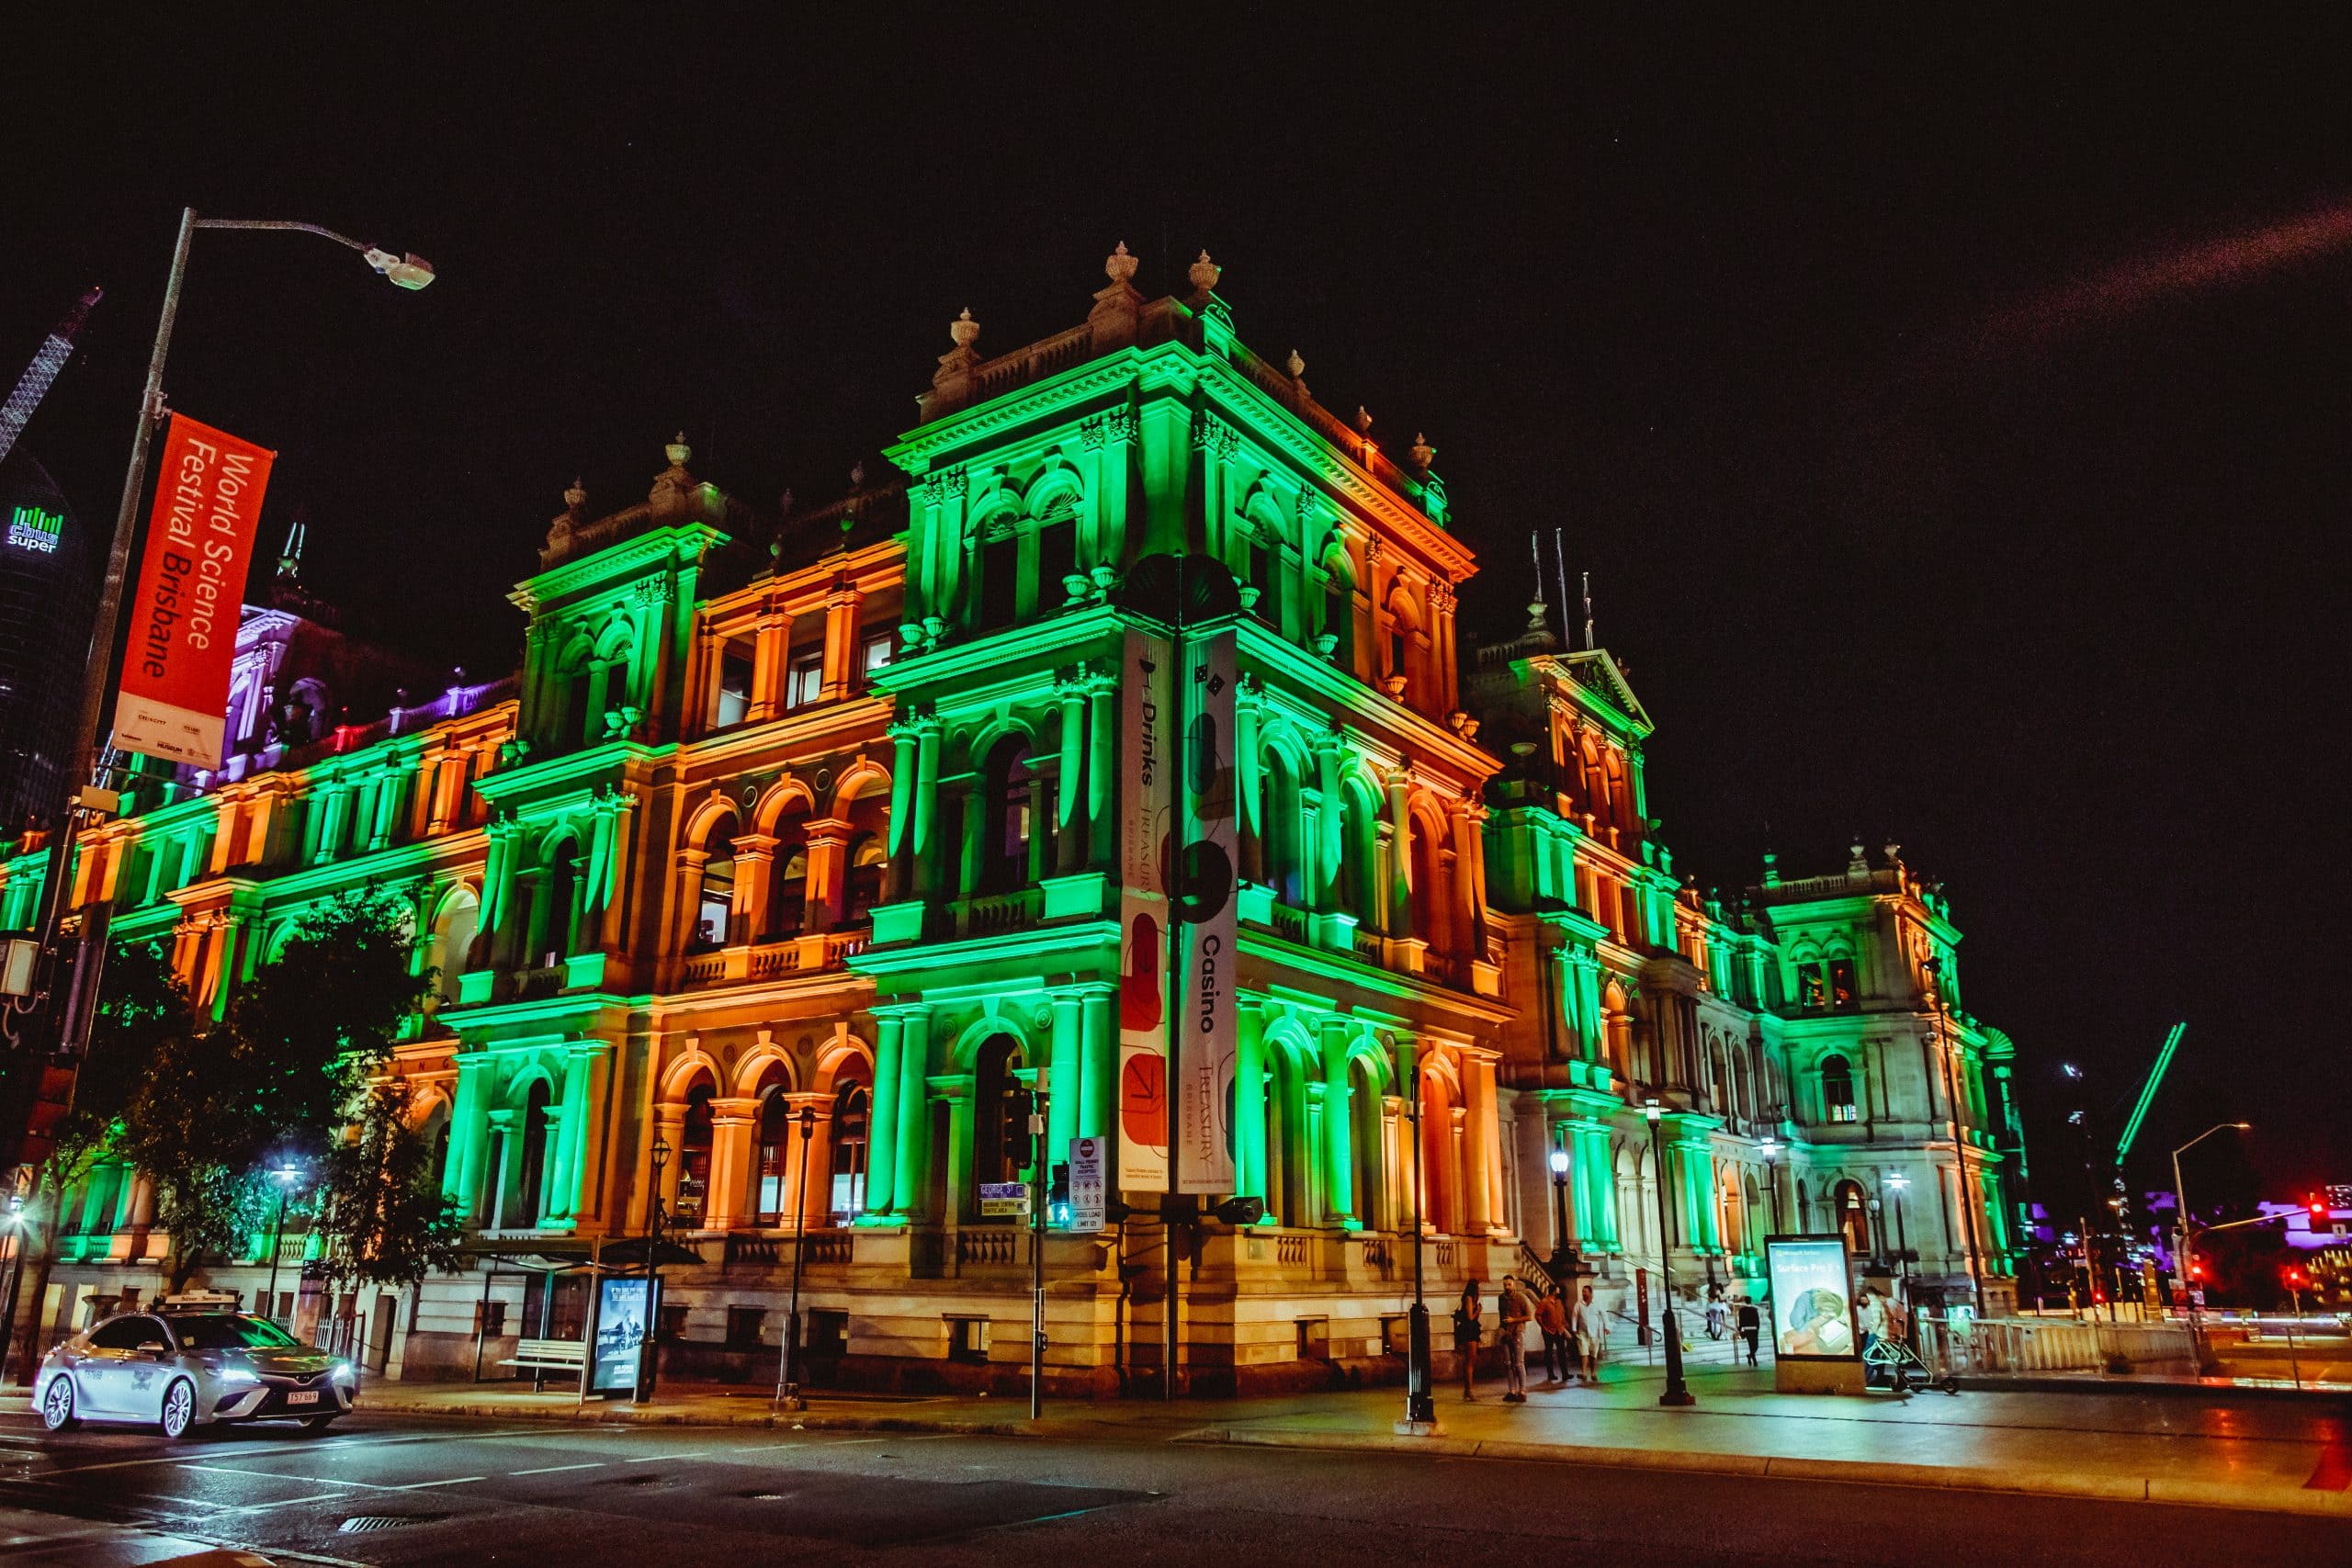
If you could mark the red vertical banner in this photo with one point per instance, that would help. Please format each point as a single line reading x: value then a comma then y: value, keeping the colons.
x: 183, y: 634
x: 1146, y: 770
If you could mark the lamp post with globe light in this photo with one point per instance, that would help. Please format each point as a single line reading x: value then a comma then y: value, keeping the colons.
x: 285, y: 1176
x: 84, y: 800
x: 1677, y: 1392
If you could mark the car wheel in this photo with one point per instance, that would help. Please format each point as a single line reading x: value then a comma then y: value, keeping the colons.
x: 317, y: 1423
x: 179, y: 1409
x: 57, y: 1406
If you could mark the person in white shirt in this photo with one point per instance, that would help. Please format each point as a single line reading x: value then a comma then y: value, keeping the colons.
x: 1591, y: 1324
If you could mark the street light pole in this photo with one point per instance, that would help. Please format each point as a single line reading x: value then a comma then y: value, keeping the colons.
x: 409, y: 271
x: 1559, y: 1162
x: 787, y: 1386
x: 649, y: 1354
x: 1420, y: 1403
x: 1898, y: 1184
x: 1934, y: 967
x: 2180, y: 1213
x: 1676, y: 1392
x: 1771, y: 1150
x: 284, y: 1176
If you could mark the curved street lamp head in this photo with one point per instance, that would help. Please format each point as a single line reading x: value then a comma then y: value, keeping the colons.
x: 1897, y: 1181
x: 410, y: 271
x: 1559, y: 1160
x: 285, y: 1173
x: 1651, y: 1110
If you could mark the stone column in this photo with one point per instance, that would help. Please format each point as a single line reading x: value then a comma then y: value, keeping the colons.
x: 1251, y: 779
x: 1070, y: 848
x: 1065, y: 1079
x: 882, y: 1120
x: 1338, y: 1165
x: 1400, y: 823
x: 841, y: 639
x: 1102, y: 769
x: 1098, y: 1063
x: 1481, y: 1151
x: 1250, y: 1101
x: 1330, y: 820
x: 928, y: 873
x: 903, y: 765
x: 468, y: 1137
x: 731, y: 1121
x: 827, y: 845
x: 907, y: 1189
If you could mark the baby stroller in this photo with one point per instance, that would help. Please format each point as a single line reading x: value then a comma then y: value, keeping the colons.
x: 1901, y: 1367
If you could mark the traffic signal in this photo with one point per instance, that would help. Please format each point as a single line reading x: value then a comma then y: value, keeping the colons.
x: 1057, y: 1195
x: 2319, y: 1212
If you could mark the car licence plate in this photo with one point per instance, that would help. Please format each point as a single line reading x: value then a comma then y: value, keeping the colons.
x: 309, y: 1398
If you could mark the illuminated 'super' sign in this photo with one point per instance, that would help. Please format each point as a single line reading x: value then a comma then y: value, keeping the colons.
x: 30, y: 528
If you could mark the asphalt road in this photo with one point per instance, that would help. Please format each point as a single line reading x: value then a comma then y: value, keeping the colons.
x: 410, y: 1490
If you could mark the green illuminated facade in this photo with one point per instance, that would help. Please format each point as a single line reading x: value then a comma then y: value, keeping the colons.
x: 832, y: 827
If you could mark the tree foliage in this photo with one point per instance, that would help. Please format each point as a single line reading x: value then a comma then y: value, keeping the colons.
x: 381, y: 1213
x: 276, y: 1080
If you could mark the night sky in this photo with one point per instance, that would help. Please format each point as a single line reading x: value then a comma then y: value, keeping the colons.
x: 1952, y: 426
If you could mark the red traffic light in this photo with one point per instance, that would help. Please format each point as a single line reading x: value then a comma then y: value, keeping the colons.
x: 2318, y: 1209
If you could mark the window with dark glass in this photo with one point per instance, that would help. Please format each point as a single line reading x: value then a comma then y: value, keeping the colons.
x: 716, y: 908
x: 1838, y: 1089
x: 792, y: 892
x: 1264, y: 557
x: 1000, y: 565
x: 1811, y: 992
x: 1842, y: 993
x: 1056, y: 560
x: 804, y: 679
x: 851, y: 1104
x: 862, y: 885
x: 876, y: 651
x: 694, y: 1156
x: 734, y: 687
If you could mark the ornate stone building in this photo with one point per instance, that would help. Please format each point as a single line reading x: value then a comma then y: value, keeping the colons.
x: 765, y: 895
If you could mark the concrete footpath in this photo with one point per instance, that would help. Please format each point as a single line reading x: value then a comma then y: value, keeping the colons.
x: 2288, y: 1456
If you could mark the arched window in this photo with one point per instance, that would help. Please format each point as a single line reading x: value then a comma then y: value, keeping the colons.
x: 715, y: 907
x: 999, y: 1114
x: 694, y: 1156
x: 775, y: 1147
x: 1853, y: 1217
x: 869, y: 862
x: 1010, y: 819
x: 1367, y: 1117
x: 1340, y: 617
x: 1360, y: 855
x: 562, y: 896
x: 452, y: 939
x: 1284, y: 840
x: 853, y: 1109
x: 531, y: 1168
x: 791, y: 891
x: 1838, y: 1089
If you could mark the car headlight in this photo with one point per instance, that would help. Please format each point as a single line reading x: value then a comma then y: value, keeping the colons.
x: 345, y: 1374
x: 237, y: 1377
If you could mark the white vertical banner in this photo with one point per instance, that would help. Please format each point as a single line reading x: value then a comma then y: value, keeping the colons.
x: 1205, y: 900
x: 1147, y: 820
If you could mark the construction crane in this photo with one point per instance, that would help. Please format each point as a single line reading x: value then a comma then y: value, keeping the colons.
x: 2148, y: 1094
x: 48, y: 361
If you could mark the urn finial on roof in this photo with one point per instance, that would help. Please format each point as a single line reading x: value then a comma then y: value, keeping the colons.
x: 1363, y: 421
x: 1204, y: 273
x: 1297, y: 367
x: 1119, y: 266
x: 678, y: 451
x: 1423, y: 452
x: 576, y: 497
x: 963, y: 329
x: 857, y: 475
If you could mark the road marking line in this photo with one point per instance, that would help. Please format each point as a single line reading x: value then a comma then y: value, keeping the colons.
x: 452, y: 1481
x: 656, y: 1459
x: 282, y: 1503
x: 554, y: 1469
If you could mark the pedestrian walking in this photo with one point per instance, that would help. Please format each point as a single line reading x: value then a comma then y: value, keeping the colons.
x: 1466, y: 1338
x: 1552, y: 1321
x: 1592, y: 1334
x: 1751, y: 1326
x: 1516, y: 1311
x: 1714, y: 1312
x: 1870, y: 1318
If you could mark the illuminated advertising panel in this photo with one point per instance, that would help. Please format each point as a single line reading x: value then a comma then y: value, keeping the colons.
x: 624, y: 1317
x: 1206, y: 913
x: 1812, y: 1309
x: 1146, y: 762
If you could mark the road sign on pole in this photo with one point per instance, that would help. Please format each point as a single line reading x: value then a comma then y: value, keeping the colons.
x: 1088, y: 1197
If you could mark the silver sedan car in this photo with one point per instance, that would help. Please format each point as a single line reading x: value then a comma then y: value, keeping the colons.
x: 179, y: 1369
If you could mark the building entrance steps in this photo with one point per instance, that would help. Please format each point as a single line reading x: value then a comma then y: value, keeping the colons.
x: 2288, y: 1456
